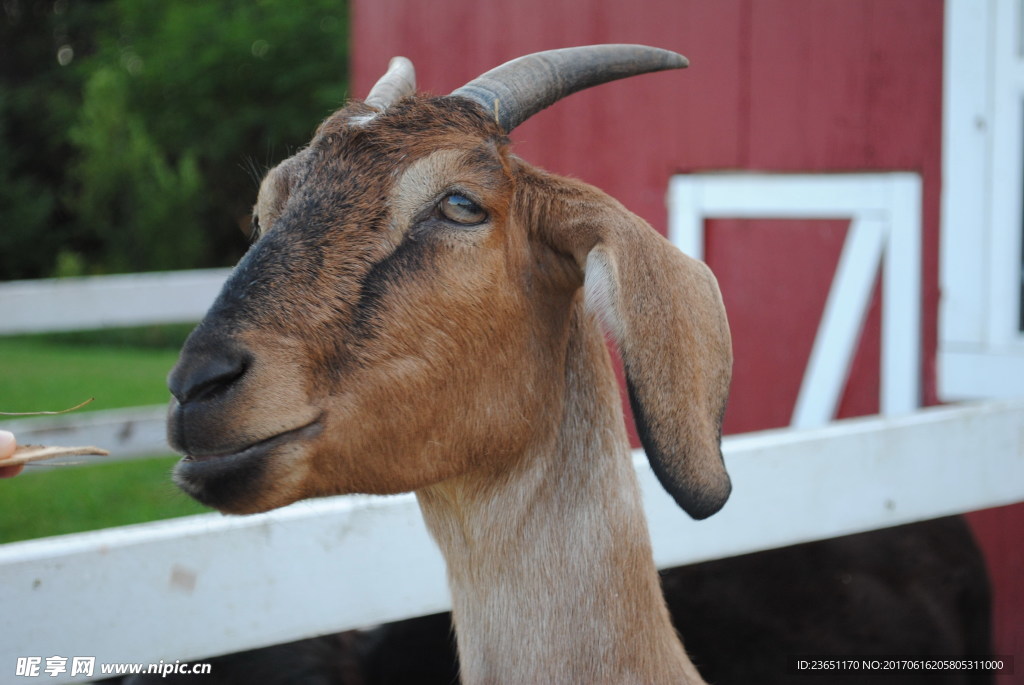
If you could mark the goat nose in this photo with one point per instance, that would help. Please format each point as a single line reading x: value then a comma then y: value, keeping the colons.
x: 204, y: 373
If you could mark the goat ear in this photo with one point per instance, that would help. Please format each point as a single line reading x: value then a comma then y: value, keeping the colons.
x: 665, y: 312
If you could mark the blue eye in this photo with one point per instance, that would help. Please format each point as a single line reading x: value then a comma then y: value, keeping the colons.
x: 461, y: 210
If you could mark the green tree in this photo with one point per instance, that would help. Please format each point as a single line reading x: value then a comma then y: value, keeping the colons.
x: 131, y: 130
x: 26, y: 210
x: 188, y: 92
x: 146, y: 212
x: 39, y: 96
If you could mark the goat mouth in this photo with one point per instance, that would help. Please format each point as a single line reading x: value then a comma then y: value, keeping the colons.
x: 260, y: 447
x: 228, y: 480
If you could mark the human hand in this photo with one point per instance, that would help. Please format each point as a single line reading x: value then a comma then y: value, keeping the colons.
x: 7, y: 446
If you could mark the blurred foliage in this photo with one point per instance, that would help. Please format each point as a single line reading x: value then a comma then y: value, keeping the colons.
x: 132, y: 131
x: 146, y: 213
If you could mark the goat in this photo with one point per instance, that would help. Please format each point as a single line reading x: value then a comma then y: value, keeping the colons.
x: 422, y: 311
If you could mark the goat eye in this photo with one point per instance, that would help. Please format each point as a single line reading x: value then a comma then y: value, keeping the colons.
x: 461, y: 210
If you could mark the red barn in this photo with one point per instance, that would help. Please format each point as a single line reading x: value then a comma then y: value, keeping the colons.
x: 850, y: 169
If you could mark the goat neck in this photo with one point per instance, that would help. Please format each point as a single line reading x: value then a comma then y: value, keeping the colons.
x: 550, y: 563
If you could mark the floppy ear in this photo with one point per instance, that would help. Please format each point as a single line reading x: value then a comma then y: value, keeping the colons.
x: 665, y: 312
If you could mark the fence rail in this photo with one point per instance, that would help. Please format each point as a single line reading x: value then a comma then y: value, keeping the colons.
x: 133, y: 433
x: 71, y: 304
x: 204, y: 585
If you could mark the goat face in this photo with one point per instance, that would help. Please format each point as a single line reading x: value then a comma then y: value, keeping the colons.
x: 378, y: 315
x: 404, y: 311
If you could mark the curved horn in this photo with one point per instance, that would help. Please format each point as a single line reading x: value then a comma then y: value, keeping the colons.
x: 517, y: 90
x: 397, y: 83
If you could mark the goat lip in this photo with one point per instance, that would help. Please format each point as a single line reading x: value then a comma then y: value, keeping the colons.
x: 259, y: 447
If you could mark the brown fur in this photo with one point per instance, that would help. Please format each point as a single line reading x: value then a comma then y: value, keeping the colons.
x: 365, y: 344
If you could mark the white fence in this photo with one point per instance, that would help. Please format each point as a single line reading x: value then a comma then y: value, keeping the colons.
x: 70, y: 304
x: 203, y: 585
x: 127, y: 433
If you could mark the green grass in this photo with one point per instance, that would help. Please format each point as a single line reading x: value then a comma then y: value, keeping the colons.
x: 77, y: 498
x: 49, y: 373
x: 119, y: 369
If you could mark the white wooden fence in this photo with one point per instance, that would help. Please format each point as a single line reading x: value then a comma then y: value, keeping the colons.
x: 71, y: 304
x: 204, y: 585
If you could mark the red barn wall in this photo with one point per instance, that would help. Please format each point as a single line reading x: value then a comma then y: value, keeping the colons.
x: 774, y: 85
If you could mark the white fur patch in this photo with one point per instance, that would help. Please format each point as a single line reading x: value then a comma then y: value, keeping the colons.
x: 361, y: 120
x: 600, y: 291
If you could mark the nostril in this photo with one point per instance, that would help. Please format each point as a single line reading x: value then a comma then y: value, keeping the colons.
x: 201, y: 375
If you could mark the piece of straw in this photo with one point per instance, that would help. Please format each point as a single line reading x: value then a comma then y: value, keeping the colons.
x: 24, y: 454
